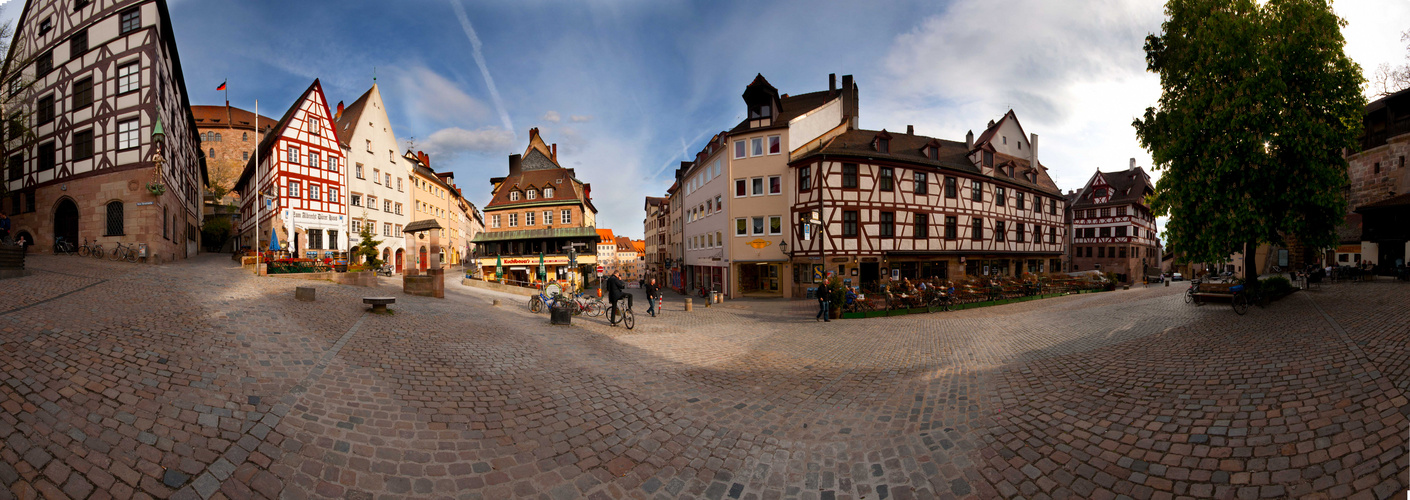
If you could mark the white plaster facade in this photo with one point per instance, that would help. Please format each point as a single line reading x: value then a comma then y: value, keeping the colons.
x: 378, y: 190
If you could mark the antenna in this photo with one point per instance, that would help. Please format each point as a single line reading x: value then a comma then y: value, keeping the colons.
x: 374, y: 74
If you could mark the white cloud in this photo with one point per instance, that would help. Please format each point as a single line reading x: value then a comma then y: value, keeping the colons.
x: 1073, y: 73
x: 450, y: 143
x: 580, y: 118
x: 552, y: 116
x: 479, y: 55
x: 437, y: 98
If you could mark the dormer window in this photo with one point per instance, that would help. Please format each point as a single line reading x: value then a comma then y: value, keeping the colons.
x: 883, y: 145
x: 533, y: 194
x: 513, y: 196
x: 761, y: 111
x: 932, y: 152
x: 988, y: 158
x: 547, y: 192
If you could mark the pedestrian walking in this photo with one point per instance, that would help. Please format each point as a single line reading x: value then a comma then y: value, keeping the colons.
x: 4, y: 227
x: 652, y: 293
x: 824, y: 301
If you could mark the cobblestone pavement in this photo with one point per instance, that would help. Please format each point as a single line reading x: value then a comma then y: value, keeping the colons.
x: 196, y: 380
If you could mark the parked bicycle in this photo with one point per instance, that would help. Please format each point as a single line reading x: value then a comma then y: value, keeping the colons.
x: 63, y: 246
x: 124, y: 251
x: 589, y: 305
x: 622, y: 313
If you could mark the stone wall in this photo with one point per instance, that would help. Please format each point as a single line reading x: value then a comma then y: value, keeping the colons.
x: 1370, y: 186
x: 432, y: 284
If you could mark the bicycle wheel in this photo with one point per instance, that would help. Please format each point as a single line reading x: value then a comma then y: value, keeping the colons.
x: 594, y: 308
x: 131, y: 256
x: 117, y: 253
x: 628, y: 319
x: 83, y: 251
x: 96, y: 252
x: 1189, y: 296
x: 535, y: 305
x: 1241, y: 304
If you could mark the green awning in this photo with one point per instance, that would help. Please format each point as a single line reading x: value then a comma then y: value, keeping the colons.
x: 536, y: 234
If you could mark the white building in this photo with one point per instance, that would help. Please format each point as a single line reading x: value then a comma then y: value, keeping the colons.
x: 378, y: 194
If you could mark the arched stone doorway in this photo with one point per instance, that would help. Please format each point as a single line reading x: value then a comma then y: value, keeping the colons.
x: 66, y: 221
x: 422, y: 260
x: 386, y: 256
x: 353, y: 257
x: 401, y: 256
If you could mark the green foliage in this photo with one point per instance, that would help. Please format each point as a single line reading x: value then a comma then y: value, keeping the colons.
x: 215, y: 231
x: 1276, y: 286
x: 366, y: 253
x: 838, y: 293
x: 1259, y: 100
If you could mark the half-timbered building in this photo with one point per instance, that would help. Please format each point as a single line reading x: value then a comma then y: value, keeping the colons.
x: 877, y: 205
x: 300, y: 169
x: 100, y: 141
x: 1113, y: 230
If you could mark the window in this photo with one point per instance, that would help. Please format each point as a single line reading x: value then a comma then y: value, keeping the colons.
x: 513, y: 220
x: 1021, y: 202
x: 46, y: 25
x: 988, y: 158
x: 565, y: 216
x: 333, y: 195
x: 400, y: 189
x: 16, y: 168
x: 78, y: 44
x: 83, y: 93
x: 758, y: 184
x: 547, y: 192
x: 738, y: 149
x: 1121, y: 232
x: 114, y: 219
x: 357, y: 169
x: 999, y: 231
x: 849, y: 175
x: 950, y: 189
x: 719, y: 239
x: 548, y: 217
x: 386, y: 229
x: 805, y: 178
x: 83, y: 145
x: 47, y: 157
x: 775, y: 185
x: 976, y: 191
x: 398, y: 209
x: 922, y: 181
x: 131, y: 20
x: 883, y: 145
x: 1377, y: 168
x: 1120, y: 211
x: 532, y: 194
x: 355, y: 200
x: 494, y: 221
x: 741, y: 226
x: 513, y: 196
x: 292, y: 155
x: 976, y: 228
x: 952, y: 227
x: 756, y: 146
x: 528, y: 218
x: 1018, y: 232
x: 377, y: 176
x: 44, y: 63
x: 387, y: 206
x: 245, y: 156
x: 1106, y: 232
x: 293, y: 189
x: 740, y: 188
x: 758, y: 224
x: 1052, y: 235
x: 775, y: 224
x: 314, y: 159
x: 849, y: 223
x: 775, y: 145
x: 332, y: 163
x: 885, y: 180
x: 922, y: 226
x: 709, y: 207
x: 356, y: 226
x: 1123, y: 252
x: 1000, y: 196
x: 46, y: 109
x: 1037, y: 233
x: 888, y: 224
x: 719, y: 203
x: 1106, y: 212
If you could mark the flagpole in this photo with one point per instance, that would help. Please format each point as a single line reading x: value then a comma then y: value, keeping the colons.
x: 256, y: 181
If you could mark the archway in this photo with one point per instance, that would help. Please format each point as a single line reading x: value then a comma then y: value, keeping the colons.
x: 386, y: 256
x: 353, y: 257
x: 400, y: 257
x: 66, y: 221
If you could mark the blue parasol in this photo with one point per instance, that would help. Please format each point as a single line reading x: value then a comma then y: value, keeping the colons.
x: 273, y: 240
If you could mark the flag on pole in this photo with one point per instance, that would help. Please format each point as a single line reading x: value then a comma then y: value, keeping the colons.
x: 222, y: 85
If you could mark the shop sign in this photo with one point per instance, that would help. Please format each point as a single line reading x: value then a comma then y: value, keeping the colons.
x: 843, y: 259
x: 558, y: 260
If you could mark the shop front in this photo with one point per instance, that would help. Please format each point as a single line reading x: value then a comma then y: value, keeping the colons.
x: 761, y: 279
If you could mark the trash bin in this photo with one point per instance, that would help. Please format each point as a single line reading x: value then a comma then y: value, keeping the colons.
x: 560, y: 315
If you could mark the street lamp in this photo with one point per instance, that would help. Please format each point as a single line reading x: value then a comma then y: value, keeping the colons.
x: 783, y: 247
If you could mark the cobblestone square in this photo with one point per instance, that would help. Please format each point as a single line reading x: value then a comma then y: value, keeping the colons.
x: 198, y: 380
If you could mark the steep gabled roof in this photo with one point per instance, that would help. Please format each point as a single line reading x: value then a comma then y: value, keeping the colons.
x: 988, y: 134
x: 266, y: 146
x: 953, y: 156
x: 605, y: 235
x: 352, y: 114
x: 1127, y: 186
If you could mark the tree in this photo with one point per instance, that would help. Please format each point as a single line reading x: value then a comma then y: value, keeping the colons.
x: 1391, y: 79
x: 367, y: 248
x: 1258, y: 103
x: 215, y: 231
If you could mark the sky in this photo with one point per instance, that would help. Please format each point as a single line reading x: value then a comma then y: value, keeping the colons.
x: 629, y: 88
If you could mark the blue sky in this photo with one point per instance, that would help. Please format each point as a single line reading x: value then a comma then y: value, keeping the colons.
x: 629, y: 88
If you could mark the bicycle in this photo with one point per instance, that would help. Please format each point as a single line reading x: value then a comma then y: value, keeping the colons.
x: 591, y: 306
x: 124, y: 251
x: 620, y: 314
x: 96, y: 251
x: 83, y: 249
x: 63, y: 246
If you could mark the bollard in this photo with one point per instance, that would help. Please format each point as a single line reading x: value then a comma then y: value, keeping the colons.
x: 1125, y: 287
x: 1167, y: 282
x: 304, y: 293
x: 688, y: 307
x: 495, y: 303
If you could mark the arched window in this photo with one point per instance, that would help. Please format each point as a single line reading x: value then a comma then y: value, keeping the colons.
x: 212, y: 155
x: 217, y: 137
x: 245, y: 136
x: 114, y: 218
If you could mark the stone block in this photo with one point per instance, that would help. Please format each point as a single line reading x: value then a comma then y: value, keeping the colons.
x: 304, y: 293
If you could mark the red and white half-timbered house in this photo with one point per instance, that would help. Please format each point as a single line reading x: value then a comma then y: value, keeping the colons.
x: 302, y: 165
x: 1113, y: 230
x: 876, y: 205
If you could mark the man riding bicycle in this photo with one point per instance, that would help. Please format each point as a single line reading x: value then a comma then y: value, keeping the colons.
x: 616, y: 290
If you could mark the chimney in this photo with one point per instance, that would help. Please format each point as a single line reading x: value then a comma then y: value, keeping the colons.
x: 910, y: 130
x: 514, y: 163
x: 1133, y: 164
x: 831, y: 84
x: 425, y: 160
x: 850, y: 108
x: 1033, y: 150
x: 340, y: 108
x: 991, y: 125
x: 969, y: 140
x: 555, y: 152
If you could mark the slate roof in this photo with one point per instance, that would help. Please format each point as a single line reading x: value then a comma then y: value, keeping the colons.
x: 216, y: 116
x: 624, y: 244
x: 953, y: 156
x: 353, y: 113
x: 1128, y: 186
x: 789, y: 108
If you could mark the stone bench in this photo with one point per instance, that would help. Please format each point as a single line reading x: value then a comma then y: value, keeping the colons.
x: 379, y: 304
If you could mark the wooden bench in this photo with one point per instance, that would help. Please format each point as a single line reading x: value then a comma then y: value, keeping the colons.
x: 379, y: 304
x: 1218, y: 290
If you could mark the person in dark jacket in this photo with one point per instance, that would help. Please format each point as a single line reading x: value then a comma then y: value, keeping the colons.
x: 824, y: 294
x: 651, y: 294
x: 616, y: 289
